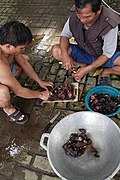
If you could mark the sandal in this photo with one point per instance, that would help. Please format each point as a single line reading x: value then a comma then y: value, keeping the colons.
x: 105, y: 80
x: 15, y: 117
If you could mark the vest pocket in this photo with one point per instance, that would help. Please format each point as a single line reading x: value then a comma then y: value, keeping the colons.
x: 97, y: 46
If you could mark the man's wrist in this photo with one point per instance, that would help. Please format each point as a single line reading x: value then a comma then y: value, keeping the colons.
x: 89, y: 68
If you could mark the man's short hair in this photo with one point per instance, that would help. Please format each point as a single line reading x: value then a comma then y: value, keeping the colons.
x: 15, y: 33
x: 95, y: 4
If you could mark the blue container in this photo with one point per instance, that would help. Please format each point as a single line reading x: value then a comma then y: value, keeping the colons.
x: 102, y: 90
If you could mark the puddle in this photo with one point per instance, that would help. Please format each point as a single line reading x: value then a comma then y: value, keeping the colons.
x: 16, y: 139
x: 13, y: 149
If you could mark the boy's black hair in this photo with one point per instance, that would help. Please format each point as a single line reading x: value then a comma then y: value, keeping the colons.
x: 95, y: 4
x: 15, y: 33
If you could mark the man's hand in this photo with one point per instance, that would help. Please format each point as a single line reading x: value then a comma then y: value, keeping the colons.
x: 44, y: 84
x: 67, y: 63
x: 45, y: 95
x: 81, y: 72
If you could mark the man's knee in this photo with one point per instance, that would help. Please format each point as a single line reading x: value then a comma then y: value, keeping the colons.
x: 117, y: 61
x: 55, y: 51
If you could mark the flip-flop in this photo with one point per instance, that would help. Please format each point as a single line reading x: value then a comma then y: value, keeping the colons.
x: 105, y: 80
x: 15, y: 117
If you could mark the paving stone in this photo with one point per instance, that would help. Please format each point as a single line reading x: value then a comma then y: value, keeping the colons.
x: 4, y: 135
x: 61, y: 105
x: 46, y: 109
x: 81, y: 86
x: 30, y: 175
x: 116, y: 120
x: 42, y: 163
x: 61, y: 75
x: 28, y: 106
x: 7, y: 169
x: 118, y: 115
x: 69, y: 79
x: 76, y: 106
x: 50, y: 78
x: 45, y: 177
x: 37, y: 66
x: 4, y: 178
x: 24, y: 158
x: 43, y: 73
x: 54, y: 68
x: 27, y: 159
x: 90, y: 83
x: 115, y: 84
x: 23, y: 173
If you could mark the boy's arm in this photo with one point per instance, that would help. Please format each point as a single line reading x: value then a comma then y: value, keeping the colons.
x: 7, y: 79
x: 30, y: 71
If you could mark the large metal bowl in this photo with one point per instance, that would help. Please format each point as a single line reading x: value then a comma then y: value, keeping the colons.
x: 105, y: 136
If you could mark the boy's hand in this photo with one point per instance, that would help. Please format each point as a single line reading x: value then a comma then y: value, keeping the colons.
x: 45, y: 95
x: 44, y: 84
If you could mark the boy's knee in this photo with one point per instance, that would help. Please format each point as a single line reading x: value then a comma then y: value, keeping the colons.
x: 4, y: 92
x: 25, y: 57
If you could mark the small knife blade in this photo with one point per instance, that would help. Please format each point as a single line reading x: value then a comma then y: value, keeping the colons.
x: 55, y: 87
x: 51, y: 122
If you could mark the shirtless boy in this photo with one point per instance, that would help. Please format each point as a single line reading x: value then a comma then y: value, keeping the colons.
x: 14, y: 37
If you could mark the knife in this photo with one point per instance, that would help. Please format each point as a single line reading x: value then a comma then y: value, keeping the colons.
x: 55, y: 87
x: 51, y: 122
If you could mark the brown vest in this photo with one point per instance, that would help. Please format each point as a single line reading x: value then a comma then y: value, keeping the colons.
x: 91, y: 40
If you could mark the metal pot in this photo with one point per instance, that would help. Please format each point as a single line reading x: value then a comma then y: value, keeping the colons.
x: 105, y: 136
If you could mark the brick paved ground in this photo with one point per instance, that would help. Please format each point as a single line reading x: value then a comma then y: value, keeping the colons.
x: 21, y: 156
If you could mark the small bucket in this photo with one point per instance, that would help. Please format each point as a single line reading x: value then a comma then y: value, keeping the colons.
x: 102, y: 90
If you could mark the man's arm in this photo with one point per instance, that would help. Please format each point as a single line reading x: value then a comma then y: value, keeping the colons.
x: 110, y: 42
x: 65, y: 52
x: 109, y: 48
x: 30, y: 71
x: 64, y: 46
x: 81, y: 72
x: 7, y: 79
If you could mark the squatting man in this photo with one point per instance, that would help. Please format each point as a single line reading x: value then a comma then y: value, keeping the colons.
x: 94, y: 27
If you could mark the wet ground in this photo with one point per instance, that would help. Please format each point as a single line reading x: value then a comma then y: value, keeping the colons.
x: 21, y: 157
x: 114, y: 4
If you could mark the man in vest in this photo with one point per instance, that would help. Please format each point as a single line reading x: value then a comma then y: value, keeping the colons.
x: 94, y: 28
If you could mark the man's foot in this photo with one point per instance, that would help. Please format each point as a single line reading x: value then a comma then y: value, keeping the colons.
x: 105, y: 81
x: 17, y: 117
